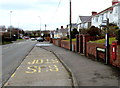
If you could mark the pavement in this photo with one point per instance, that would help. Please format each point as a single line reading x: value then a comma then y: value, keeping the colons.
x: 49, y: 65
x: 87, y: 72
x: 40, y: 68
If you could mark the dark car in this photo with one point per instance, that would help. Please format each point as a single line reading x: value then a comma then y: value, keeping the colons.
x: 40, y: 39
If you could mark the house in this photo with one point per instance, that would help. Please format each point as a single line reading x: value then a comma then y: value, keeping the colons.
x: 113, y: 13
x: 73, y: 25
x: 62, y: 32
x: 84, y: 22
x: 2, y: 28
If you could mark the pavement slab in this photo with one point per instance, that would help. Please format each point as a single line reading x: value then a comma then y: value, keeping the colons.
x: 40, y: 68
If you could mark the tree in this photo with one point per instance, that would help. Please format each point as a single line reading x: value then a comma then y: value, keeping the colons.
x: 73, y: 33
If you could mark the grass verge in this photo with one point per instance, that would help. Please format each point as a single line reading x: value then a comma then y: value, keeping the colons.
x: 103, y: 40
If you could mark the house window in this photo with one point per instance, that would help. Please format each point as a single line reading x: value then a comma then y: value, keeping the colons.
x: 102, y: 17
x: 96, y: 19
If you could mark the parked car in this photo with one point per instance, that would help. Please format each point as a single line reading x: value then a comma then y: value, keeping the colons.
x: 26, y: 37
x: 33, y: 39
x: 40, y: 39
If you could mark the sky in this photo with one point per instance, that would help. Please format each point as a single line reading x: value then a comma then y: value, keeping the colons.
x: 34, y: 14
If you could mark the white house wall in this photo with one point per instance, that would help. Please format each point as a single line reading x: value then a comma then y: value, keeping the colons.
x: 115, y: 14
x: 119, y: 16
x: 114, y: 17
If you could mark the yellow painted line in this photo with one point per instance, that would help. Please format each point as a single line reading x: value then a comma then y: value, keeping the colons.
x: 13, y: 75
x: 18, y: 68
x: 6, y: 84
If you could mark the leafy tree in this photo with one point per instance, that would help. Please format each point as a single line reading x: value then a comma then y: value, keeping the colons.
x: 73, y: 33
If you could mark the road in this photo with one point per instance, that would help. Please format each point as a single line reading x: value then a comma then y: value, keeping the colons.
x: 13, y: 55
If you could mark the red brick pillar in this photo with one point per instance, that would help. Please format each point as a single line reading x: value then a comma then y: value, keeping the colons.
x: 80, y: 44
x: 77, y: 43
x: 59, y: 42
x: 86, y: 38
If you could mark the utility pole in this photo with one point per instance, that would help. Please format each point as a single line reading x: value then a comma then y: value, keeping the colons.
x: 107, y: 43
x: 70, y: 37
x: 40, y: 25
x: 18, y: 31
x: 45, y: 30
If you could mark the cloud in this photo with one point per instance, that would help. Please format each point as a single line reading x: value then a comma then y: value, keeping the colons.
x: 15, y: 5
x: 26, y: 4
x: 26, y: 12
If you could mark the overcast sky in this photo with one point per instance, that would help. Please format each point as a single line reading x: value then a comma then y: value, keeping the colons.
x: 29, y: 14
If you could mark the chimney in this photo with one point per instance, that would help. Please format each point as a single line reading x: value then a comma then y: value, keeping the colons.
x: 94, y: 13
x: 114, y: 2
x: 61, y: 27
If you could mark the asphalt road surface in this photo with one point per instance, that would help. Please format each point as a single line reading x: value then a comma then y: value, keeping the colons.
x: 13, y: 55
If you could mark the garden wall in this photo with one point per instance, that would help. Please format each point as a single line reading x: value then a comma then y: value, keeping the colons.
x: 66, y: 44
x: 91, y: 50
x: 91, y: 53
x: 56, y: 42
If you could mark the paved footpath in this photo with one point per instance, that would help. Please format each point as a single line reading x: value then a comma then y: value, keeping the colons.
x: 86, y: 71
x: 40, y: 68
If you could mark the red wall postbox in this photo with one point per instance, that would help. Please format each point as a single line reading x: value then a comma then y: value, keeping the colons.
x: 114, y: 46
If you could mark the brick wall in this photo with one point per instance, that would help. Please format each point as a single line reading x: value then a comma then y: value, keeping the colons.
x: 91, y: 50
x: 56, y: 42
x: 91, y: 53
x: 66, y: 44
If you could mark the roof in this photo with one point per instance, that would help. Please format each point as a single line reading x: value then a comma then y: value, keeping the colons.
x: 108, y: 9
x: 63, y: 30
x: 85, y: 18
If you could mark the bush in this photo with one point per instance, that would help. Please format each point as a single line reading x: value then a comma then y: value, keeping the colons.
x: 83, y: 31
x: 94, y: 31
x: 118, y: 35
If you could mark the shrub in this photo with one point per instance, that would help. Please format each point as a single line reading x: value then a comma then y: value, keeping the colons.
x: 94, y: 31
x: 118, y: 35
x: 83, y: 31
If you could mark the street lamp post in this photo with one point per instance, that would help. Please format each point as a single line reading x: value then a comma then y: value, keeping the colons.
x: 45, y: 30
x: 70, y: 37
x: 18, y: 31
x: 10, y: 25
x: 40, y: 25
